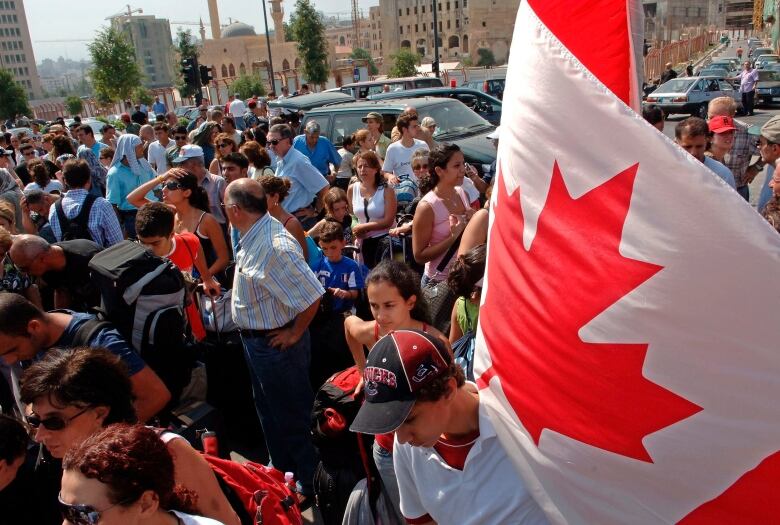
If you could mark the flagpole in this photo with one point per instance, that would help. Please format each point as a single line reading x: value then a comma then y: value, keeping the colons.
x: 435, y: 65
x: 268, y: 43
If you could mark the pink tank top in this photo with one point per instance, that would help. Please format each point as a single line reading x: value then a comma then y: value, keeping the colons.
x: 441, y: 230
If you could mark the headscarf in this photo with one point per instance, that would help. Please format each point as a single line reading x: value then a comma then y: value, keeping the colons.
x: 96, y: 170
x: 125, y: 148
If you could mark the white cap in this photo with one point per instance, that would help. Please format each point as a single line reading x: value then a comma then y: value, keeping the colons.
x: 495, y: 134
x: 189, y: 151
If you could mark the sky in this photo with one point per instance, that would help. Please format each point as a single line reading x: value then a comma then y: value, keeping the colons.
x: 80, y: 19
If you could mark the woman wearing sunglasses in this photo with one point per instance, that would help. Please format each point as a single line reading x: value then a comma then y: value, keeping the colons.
x: 74, y: 394
x: 181, y: 191
x: 125, y: 475
x: 224, y: 145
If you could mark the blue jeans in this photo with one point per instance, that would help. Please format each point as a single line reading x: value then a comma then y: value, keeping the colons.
x: 283, y: 398
x: 383, y: 459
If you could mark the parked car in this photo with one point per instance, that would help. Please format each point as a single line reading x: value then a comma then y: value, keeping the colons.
x: 361, y: 90
x: 17, y: 131
x: 730, y: 63
x: 764, y: 60
x: 493, y: 86
x: 692, y: 94
x: 484, y: 105
x: 456, y: 123
x: 715, y: 71
x: 768, y: 86
x: 303, y: 103
x: 757, y: 52
x: 183, y: 110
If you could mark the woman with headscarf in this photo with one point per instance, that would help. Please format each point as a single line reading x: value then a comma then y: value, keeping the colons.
x: 205, y: 137
x: 129, y: 169
x: 97, y: 173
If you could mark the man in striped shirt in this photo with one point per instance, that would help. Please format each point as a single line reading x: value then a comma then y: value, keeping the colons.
x: 275, y: 297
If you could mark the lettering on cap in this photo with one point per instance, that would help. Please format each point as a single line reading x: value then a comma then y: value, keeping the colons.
x: 374, y: 374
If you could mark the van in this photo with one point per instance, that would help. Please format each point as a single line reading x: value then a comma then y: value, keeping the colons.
x: 361, y: 90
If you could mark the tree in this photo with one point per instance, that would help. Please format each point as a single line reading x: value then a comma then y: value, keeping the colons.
x: 115, y: 73
x: 309, y: 32
x: 185, y: 48
x: 405, y: 63
x: 74, y: 105
x: 13, y: 97
x: 288, y: 34
x: 247, y: 86
x: 142, y: 95
x: 363, y: 54
x: 486, y: 57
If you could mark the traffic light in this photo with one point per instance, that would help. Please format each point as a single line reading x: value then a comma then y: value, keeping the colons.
x: 205, y: 75
x: 190, y: 73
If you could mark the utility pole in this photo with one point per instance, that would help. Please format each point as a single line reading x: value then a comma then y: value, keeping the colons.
x: 435, y: 64
x: 268, y: 43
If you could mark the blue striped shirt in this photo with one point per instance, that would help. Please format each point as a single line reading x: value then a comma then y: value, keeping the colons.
x: 272, y: 283
x: 102, y: 222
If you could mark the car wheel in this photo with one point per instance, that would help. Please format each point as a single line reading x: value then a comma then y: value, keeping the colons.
x: 701, y: 111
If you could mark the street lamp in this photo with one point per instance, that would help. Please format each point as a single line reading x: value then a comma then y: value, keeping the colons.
x: 268, y: 43
x: 435, y: 65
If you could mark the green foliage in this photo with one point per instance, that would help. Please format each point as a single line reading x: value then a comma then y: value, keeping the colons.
x: 288, y: 34
x: 142, y: 95
x: 248, y: 85
x: 404, y: 63
x: 308, y: 31
x: 74, y: 105
x: 466, y: 61
x: 115, y: 73
x: 13, y: 97
x: 486, y: 57
x: 185, y: 47
x: 363, y: 54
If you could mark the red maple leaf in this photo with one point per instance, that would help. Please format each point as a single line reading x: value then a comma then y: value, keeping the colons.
x: 538, y: 300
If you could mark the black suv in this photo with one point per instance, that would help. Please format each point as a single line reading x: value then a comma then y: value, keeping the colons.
x: 456, y: 123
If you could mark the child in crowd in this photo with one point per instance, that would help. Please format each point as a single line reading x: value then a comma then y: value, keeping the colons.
x: 336, y: 210
x: 154, y: 228
x: 106, y: 156
x: 397, y: 304
x: 342, y: 279
x: 465, y: 281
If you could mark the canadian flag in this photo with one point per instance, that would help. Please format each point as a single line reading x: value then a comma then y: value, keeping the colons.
x: 628, y: 344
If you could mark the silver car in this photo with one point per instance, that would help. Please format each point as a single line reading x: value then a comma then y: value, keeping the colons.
x: 691, y: 94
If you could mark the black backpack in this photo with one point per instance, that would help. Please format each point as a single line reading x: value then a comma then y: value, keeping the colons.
x: 143, y: 296
x: 78, y: 226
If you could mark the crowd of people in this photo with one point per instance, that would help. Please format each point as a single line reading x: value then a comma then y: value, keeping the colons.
x: 314, y: 254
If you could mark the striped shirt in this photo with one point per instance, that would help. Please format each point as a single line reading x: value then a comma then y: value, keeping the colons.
x: 102, y: 223
x: 738, y: 159
x: 272, y: 283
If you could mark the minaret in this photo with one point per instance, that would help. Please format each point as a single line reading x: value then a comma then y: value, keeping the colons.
x: 202, y: 31
x: 214, y: 19
x: 277, y: 13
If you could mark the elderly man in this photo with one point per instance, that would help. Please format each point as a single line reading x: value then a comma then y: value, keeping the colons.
x: 62, y: 266
x: 319, y: 150
x: 191, y: 159
x: 306, y: 181
x: 274, y: 330
x: 745, y: 146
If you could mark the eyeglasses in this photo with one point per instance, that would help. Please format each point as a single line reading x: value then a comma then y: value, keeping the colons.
x: 53, y: 422
x: 84, y: 514
x: 226, y: 145
x: 180, y: 137
x: 274, y: 142
x: 172, y: 185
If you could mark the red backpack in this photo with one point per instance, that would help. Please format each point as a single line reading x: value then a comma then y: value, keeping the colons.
x: 260, y: 490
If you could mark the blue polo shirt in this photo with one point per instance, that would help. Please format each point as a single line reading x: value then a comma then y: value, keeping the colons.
x: 305, y: 180
x: 323, y: 153
x: 121, y: 180
x: 721, y: 171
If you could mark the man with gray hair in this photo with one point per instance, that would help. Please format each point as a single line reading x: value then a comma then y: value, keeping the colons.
x: 274, y: 330
x: 318, y: 150
x: 63, y: 266
x: 745, y: 146
x: 191, y: 159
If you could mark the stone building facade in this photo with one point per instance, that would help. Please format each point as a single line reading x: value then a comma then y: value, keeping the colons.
x: 16, y: 51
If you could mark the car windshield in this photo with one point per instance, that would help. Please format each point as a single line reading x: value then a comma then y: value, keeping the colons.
x: 769, y: 58
x: 453, y: 118
x: 677, y: 85
x: 769, y: 76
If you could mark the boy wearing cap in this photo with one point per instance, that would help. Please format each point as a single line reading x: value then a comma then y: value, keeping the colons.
x: 722, y: 141
x: 450, y: 465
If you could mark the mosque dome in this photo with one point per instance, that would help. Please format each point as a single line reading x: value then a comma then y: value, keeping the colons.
x: 237, y: 29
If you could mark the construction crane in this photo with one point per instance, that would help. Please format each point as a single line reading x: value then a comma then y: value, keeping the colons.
x: 129, y: 12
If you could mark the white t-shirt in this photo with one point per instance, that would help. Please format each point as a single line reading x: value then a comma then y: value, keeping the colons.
x: 189, y: 519
x: 53, y: 185
x: 157, y: 156
x: 487, y: 490
x: 345, y: 169
x: 237, y: 108
x: 398, y: 159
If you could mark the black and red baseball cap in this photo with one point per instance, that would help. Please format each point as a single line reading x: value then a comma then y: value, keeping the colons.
x: 398, y: 366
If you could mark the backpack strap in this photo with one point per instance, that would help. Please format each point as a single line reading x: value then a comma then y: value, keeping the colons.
x: 88, y: 330
x: 82, y: 219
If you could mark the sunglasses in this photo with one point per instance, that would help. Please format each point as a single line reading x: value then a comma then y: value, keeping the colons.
x: 83, y: 514
x: 274, y: 142
x: 226, y: 145
x: 180, y: 137
x: 53, y: 422
x: 172, y: 185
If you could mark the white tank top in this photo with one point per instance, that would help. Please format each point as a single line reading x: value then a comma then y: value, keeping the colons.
x: 369, y: 210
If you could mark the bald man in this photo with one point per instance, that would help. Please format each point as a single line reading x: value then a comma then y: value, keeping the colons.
x: 63, y: 266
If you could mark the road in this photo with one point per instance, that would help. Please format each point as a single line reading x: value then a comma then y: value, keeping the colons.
x: 762, y: 114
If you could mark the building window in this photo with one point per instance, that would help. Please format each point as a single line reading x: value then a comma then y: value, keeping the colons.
x: 423, y: 9
x: 448, y: 6
x: 416, y: 28
x: 16, y: 19
x: 400, y: 30
x: 415, y: 9
x: 448, y: 24
x: 440, y: 28
x: 424, y: 29
x: 465, y: 3
x: 484, y: 24
x: 439, y: 5
x: 456, y: 4
x: 407, y: 11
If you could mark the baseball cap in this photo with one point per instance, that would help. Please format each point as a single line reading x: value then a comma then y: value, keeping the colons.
x: 373, y: 115
x: 312, y: 127
x: 495, y: 134
x: 398, y: 366
x: 6, y: 152
x: 771, y: 130
x: 721, y: 124
x: 190, y: 151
